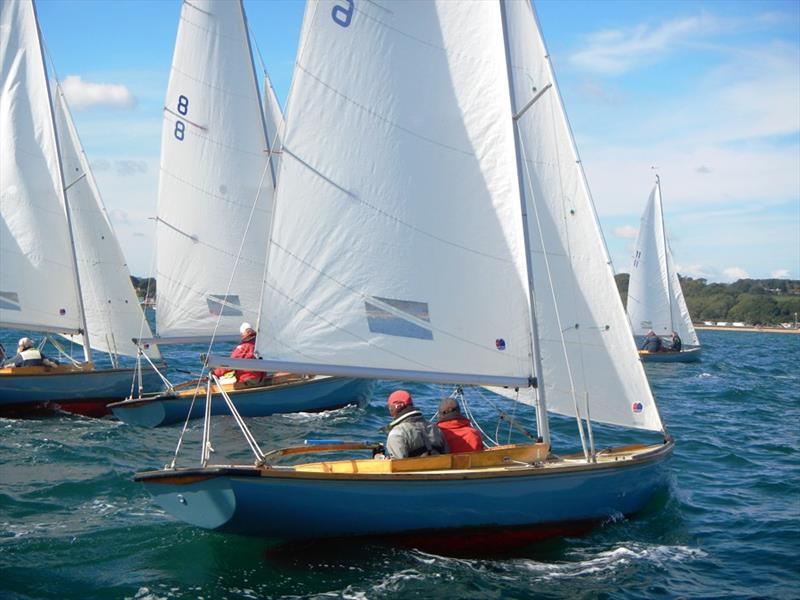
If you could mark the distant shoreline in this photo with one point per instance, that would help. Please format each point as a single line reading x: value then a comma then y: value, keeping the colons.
x: 751, y: 329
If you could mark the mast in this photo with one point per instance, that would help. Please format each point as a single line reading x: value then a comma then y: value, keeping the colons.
x: 268, y: 150
x: 87, y: 349
x: 666, y: 258
x: 542, y: 422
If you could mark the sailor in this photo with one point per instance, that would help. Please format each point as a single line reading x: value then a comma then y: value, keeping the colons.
x: 245, y: 349
x: 652, y: 343
x: 676, y: 342
x: 456, y: 429
x: 28, y: 356
x: 409, y: 433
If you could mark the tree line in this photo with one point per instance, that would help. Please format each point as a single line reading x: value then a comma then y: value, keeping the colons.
x: 750, y: 301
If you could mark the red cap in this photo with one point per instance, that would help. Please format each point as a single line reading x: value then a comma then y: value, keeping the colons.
x: 399, y: 399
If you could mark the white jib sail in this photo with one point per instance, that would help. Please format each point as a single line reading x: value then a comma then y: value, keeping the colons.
x: 215, y: 188
x: 655, y: 298
x: 38, y: 287
x: 398, y: 242
x: 587, y: 352
x: 113, y: 315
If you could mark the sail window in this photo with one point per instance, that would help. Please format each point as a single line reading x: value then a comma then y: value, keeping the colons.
x: 404, y: 318
x: 227, y: 306
x: 9, y: 301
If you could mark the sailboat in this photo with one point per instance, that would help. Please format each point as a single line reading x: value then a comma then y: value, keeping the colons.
x: 454, y: 241
x: 213, y: 217
x: 655, y: 298
x: 61, y: 267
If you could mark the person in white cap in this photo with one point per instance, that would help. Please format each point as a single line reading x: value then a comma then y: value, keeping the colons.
x: 28, y: 356
x: 245, y: 349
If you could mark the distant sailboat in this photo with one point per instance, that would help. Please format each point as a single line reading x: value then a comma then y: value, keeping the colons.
x: 429, y: 142
x: 214, y: 212
x: 655, y: 298
x: 61, y: 268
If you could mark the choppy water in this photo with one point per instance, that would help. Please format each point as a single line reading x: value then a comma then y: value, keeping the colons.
x: 73, y: 524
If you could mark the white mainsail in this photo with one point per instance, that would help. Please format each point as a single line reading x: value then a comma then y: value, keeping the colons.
x: 398, y: 243
x: 415, y: 260
x: 113, y: 315
x: 655, y: 297
x: 216, y: 183
x: 38, y: 286
x: 584, y: 337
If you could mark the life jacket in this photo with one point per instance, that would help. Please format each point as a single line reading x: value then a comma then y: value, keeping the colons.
x: 30, y: 358
x: 410, y: 435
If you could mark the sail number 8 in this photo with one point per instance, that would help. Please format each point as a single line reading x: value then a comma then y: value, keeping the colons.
x: 183, y: 109
x: 342, y: 15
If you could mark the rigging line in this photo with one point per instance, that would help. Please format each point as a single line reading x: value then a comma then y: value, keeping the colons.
x: 209, y: 193
x: 554, y: 119
x: 555, y: 304
x: 364, y: 298
x: 236, y: 263
x: 471, y: 417
x: 184, y: 119
x: 394, y: 218
x: 206, y: 84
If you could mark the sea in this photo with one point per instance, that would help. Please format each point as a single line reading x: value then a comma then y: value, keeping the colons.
x: 74, y: 524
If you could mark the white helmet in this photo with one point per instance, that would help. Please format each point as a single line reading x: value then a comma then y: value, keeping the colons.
x: 25, y: 343
x: 244, y: 327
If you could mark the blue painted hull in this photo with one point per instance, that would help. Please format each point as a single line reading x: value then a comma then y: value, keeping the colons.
x: 290, y: 505
x: 85, y: 392
x: 684, y: 356
x: 322, y: 393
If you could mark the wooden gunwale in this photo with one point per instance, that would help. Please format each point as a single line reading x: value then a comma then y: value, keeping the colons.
x: 614, y: 458
x: 183, y: 394
x: 82, y: 369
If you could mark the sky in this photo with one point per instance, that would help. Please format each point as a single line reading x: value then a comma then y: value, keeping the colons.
x: 706, y: 92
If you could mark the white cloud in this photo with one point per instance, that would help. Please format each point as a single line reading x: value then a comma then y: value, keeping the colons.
x: 780, y: 274
x: 615, y: 51
x: 696, y: 271
x: 626, y: 232
x: 735, y: 273
x: 84, y: 94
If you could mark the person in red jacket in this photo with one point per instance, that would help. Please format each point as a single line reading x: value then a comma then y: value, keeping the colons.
x: 245, y: 349
x: 459, y: 434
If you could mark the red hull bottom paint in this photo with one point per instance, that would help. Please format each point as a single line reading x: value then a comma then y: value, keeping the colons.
x: 467, y: 542
x: 86, y: 408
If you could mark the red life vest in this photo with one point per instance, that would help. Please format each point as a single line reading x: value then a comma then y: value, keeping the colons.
x: 460, y: 435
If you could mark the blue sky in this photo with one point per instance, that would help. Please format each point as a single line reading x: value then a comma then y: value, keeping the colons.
x: 707, y: 91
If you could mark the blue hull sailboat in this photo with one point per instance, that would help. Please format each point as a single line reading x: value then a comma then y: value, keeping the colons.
x: 285, y: 394
x: 655, y: 298
x: 454, y: 241
x: 61, y: 267
x: 219, y: 154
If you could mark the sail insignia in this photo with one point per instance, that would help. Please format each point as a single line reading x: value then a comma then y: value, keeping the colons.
x: 225, y: 305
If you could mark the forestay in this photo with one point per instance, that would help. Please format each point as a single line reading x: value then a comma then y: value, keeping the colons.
x: 216, y: 183
x: 35, y: 253
x: 655, y: 297
x: 584, y: 337
x: 113, y: 315
x: 398, y: 143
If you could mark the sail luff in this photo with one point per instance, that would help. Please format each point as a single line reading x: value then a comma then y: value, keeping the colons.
x: 665, y: 251
x: 584, y: 334
x: 542, y: 421
x: 87, y: 349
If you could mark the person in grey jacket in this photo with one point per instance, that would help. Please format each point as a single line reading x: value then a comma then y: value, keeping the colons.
x: 409, y: 433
